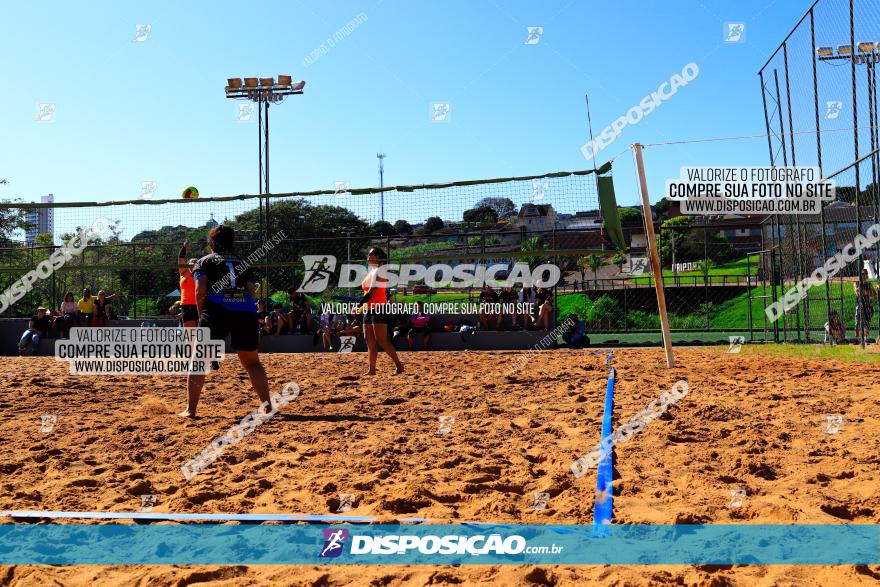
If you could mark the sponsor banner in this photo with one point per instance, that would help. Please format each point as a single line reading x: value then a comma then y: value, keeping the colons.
x: 320, y: 269
x: 477, y: 544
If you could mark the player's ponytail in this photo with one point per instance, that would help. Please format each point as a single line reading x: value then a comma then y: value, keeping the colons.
x: 221, y: 239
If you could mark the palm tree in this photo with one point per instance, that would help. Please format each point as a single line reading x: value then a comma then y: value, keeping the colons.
x: 530, y: 245
x: 620, y: 260
x: 595, y: 263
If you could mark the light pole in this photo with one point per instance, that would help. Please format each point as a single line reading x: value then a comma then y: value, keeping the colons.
x: 381, y: 158
x: 263, y: 91
x: 864, y: 52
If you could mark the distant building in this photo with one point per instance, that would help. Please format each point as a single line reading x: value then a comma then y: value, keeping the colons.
x: 40, y: 220
x: 211, y: 223
x: 536, y: 217
x: 583, y: 220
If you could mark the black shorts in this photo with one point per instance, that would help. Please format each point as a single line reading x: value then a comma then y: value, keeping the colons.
x: 189, y: 312
x: 418, y: 330
x: 376, y: 316
x: 241, y: 326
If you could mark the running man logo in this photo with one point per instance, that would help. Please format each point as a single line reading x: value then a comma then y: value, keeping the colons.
x: 441, y: 112
x: 47, y: 423
x: 534, y: 35
x: 833, y: 423
x: 244, y: 112
x: 542, y: 498
x: 446, y: 423
x: 148, y: 189
x: 539, y: 190
x: 340, y: 188
x: 736, y: 498
x: 736, y: 343
x: 148, y: 500
x: 833, y: 109
x: 346, y: 344
x: 638, y: 265
x: 346, y: 502
x: 45, y: 112
x: 141, y: 32
x: 734, y: 32
x: 319, y: 268
x: 334, y: 540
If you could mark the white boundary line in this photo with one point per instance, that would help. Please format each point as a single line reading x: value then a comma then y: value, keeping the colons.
x: 193, y: 517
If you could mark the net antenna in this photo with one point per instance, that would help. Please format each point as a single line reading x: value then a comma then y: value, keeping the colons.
x: 590, y: 126
x: 595, y: 174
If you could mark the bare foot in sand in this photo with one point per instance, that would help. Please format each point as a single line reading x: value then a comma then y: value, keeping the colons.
x: 187, y: 414
x: 370, y: 372
x: 399, y: 369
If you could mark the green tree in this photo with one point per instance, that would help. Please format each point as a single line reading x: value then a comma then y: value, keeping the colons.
x: 402, y: 227
x: 534, y: 245
x: 381, y: 228
x: 705, y: 266
x: 299, y: 219
x: 433, y: 224
x: 606, y: 310
x: 501, y: 207
x: 482, y: 215
x: 630, y: 217
x: 620, y: 260
x: 662, y: 208
x: 596, y: 262
x: 44, y: 239
x: 11, y: 220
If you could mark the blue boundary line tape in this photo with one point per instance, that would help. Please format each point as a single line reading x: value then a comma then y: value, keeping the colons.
x: 604, y: 505
x: 609, y: 357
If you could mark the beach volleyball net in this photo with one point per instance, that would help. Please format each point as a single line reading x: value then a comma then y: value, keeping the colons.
x: 549, y: 218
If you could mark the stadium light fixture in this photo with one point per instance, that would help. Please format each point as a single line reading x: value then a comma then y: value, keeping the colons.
x: 866, y: 46
x: 264, y: 91
x: 825, y: 51
x: 844, y: 50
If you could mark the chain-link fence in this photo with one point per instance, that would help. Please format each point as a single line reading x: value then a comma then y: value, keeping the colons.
x: 819, y: 90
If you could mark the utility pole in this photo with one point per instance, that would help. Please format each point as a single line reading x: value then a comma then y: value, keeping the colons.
x: 381, y: 158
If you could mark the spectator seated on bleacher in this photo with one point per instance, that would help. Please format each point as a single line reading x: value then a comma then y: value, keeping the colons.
x: 38, y: 327
x: 544, y: 308
x: 86, y: 308
x: 299, y: 319
x: 330, y: 325
x: 419, y: 323
x: 67, y: 317
x: 488, y: 301
x: 277, y: 321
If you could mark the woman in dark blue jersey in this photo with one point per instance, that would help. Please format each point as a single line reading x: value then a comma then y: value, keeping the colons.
x: 225, y: 301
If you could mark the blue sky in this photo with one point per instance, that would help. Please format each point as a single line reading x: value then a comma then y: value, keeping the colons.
x: 127, y: 112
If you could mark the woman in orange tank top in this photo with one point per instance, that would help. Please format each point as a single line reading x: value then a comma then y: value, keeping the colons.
x: 188, y: 308
x: 376, y: 315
